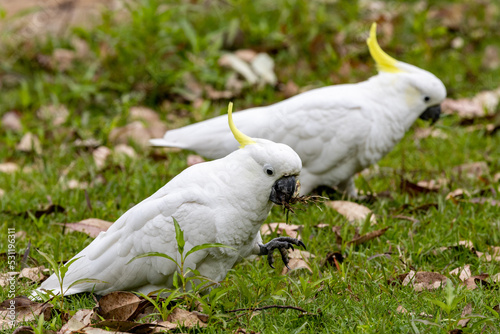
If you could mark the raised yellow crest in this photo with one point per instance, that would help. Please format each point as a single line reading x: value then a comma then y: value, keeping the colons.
x: 243, y: 139
x: 384, y: 62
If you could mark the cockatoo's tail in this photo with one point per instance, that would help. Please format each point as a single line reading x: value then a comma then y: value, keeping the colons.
x: 384, y: 62
x: 283, y: 189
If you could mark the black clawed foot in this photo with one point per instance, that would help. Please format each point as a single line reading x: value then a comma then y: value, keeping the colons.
x: 282, y: 244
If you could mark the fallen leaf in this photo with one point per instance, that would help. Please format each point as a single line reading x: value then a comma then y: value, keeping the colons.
x: 243, y: 68
x: 125, y: 150
x: 193, y: 159
x: 462, y: 272
x: 214, y: 94
x: 137, y: 132
x: 246, y: 54
x: 332, y: 257
x: 401, y: 309
x: 483, y: 200
x: 100, y: 155
x: 299, y: 254
x: 472, y: 169
x: 421, y: 133
x: 415, y: 188
x: 472, y: 282
x: 165, y: 326
x: 185, y: 318
x: 458, y: 193
x: 367, y: 237
x: 432, y: 184
x: 62, y: 59
x: 81, y: 319
x: 290, y: 230
x: 55, y: 114
x: 263, y: 66
x: 29, y: 143
x: 355, y: 213
x: 118, y: 305
x: 491, y: 57
x: 90, y: 142
x: 9, y: 167
x: 7, y: 278
x: 295, y: 264
x: 493, y: 254
x: 465, y: 312
x: 143, y: 113
x: 423, y: 280
x: 36, y: 274
x: 75, y: 184
x: 12, y: 121
x: 290, y: 89
x: 2, y: 192
x: 483, y: 104
x: 90, y: 226
x: 25, y: 310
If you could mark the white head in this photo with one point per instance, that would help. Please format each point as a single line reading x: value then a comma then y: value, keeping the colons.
x: 277, y: 164
x: 423, y: 91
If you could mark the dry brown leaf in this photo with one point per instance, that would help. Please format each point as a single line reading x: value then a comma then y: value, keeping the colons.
x: 263, y: 66
x: 125, y: 150
x: 90, y: 142
x: 472, y: 169
x: 401, y: 309
x: 9, y: 167
x: 143, y: 113
x: 467, y: 244
x: 295, y: 264
x: 299, y: 254
x: 246, y: 54
x: 355, y: 213
x: 7, y: 278
x: 493, y: 254
x: 290, y: 89
x: 82, y: 318
x: 29, y: 143
x: 483, y: 200
x: 137, y: 132
x: 421, y: 133
x: 423, y: 280
x: 491, y: 57
x: 194, y: 159
x: 12, y: 121
x: 90, y: 226
x: 472, y: 282
x: 465, y: 312
x: 367, y: 237
x: 415, y: 188
x: 100, y: 155
x: 55, y: 114
x: 322, y: 225
x: 462, y: 272
x: 62, y: 59
x: 241, y: 67
x: 458, y: 193
x: 27, y: 330
x: 25, y: 310
x: 165, y: 326
x: 291, y: 230
x: 36, y: 274
x: 75, y: 184
x: 2, y: 192
x: 214, y: 94
x: 483, y: 104
x: 118, y: 305
x: 432, y: 184
x: 185, y: 318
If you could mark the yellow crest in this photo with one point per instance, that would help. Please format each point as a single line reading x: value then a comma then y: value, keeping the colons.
x: 243, y: 139
x: 384, y: 62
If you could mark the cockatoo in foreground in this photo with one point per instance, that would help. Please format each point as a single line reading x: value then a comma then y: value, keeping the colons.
x: 222, y: 201
x: 338, y: 130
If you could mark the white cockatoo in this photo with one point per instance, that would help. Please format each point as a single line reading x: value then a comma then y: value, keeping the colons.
x: 222, y: 201
x: 337, y: 130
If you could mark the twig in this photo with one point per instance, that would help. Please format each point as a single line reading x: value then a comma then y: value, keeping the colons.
x: 268, y: 307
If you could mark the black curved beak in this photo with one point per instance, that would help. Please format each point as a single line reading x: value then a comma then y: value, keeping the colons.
x: 283, y: 190
x: 431, y: 113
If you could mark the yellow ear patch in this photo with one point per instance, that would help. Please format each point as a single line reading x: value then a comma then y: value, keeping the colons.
x: 384, y: 62
x: 243, y: 139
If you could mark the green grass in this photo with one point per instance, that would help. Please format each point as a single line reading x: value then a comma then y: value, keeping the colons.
x: 144, y: 62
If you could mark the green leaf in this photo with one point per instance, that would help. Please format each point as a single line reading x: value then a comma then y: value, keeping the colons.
x: 84, y: 280
x: 52, y: 263
x: 153, y: 254
x: 190, y: 34
x: 205, y: 246
x: 179, y: 236
x: 442, y: 305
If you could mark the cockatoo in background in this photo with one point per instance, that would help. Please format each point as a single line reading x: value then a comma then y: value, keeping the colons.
x: 337, y: 130
x: 222, y: 201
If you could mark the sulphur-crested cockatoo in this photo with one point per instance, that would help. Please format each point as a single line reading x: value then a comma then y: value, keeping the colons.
x: 222, y: 201
x: 338, y: 130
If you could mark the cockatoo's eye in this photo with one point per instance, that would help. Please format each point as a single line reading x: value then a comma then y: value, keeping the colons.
x: 427, y: 99
x: 269, y: 170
